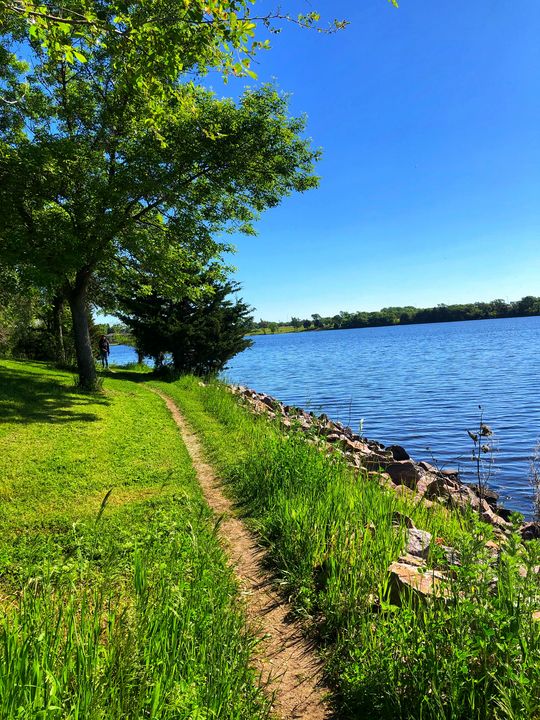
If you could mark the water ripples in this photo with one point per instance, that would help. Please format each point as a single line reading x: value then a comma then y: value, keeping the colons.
x: 418, y: 386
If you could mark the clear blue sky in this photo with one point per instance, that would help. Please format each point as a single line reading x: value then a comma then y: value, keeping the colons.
x: 429, y: 119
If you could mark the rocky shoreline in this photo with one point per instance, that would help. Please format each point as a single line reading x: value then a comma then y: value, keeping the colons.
x: 390, y: 465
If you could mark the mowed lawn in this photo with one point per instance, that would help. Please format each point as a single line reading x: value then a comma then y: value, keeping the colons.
x: 115, y: 597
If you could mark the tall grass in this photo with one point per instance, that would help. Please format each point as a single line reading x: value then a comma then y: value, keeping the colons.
x: 471, y: 653
x: 138, y: 621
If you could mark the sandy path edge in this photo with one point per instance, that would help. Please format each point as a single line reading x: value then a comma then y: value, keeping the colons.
x: 285, y: 659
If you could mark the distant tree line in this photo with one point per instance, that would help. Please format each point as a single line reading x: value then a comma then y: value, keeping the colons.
x: 408, y: 315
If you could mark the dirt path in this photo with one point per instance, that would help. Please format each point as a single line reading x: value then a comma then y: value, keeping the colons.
x: 285, y: 659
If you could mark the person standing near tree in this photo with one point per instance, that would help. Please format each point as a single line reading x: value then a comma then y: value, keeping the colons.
x: 104, y: 351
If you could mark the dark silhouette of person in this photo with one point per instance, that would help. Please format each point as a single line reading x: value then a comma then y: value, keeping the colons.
x: 104, y: 351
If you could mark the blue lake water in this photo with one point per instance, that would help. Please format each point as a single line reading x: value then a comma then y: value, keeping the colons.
x: 418, y: 386
x: 122, y: 355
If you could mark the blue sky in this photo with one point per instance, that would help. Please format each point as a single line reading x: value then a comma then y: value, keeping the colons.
x: 429, y: 119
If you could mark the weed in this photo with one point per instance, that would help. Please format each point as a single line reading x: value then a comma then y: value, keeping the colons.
x: 482, y: 453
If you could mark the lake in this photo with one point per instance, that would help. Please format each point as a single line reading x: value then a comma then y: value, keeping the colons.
x: 418, y: 386
x: 122, y: 355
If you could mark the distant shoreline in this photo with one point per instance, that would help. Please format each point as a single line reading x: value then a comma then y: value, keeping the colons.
x: 429, y: 316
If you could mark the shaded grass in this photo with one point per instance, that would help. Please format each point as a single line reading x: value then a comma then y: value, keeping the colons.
x: 471, y: 654
x: 111, y: 606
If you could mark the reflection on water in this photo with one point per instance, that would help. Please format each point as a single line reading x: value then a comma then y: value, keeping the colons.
x: 418, y: 386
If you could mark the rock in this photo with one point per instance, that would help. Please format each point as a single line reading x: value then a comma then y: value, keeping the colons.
x: 384, y: 480
x: 463, y: 497
x: 418, y: 542
x: 523, y: 571
x: 411, y: 560
x: 404, y: 491
x: 493, y: 548
x: 404, y: 472
x: 375, y: 461
x: 503, y: 512
x: 398, y: 453
x: 452, y: 473
x: 427, y: 467
x: 530, y: 531
x: 355, y: 446
x: 488, y: 516
x: 333, y: 438
x: 486, y: 494
x: 408, y: 581
x: 451, y: 555
x: 402, y: 519
x: 434, y: 486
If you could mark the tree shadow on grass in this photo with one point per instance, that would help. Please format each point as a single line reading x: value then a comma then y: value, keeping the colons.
x: 26, y: 397
x: 135, y: 376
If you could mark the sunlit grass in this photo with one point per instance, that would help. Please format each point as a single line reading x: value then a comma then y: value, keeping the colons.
x: 115, y: 605
x: 472, y: 654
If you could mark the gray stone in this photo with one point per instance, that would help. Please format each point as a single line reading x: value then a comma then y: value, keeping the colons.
x: 418, y: 542
x: 450, y: 473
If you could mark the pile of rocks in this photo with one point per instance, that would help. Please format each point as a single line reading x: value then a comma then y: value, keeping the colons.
x: 392, y: 465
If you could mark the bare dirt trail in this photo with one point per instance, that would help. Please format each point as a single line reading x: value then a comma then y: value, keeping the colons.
x: 285, y: 659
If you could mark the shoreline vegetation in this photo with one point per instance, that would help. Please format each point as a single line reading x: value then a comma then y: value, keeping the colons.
x: 116, y: 595
x: 119, y: 334
x: 407, y: 315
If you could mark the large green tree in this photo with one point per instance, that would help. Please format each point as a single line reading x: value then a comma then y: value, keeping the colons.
x: 94, y: 176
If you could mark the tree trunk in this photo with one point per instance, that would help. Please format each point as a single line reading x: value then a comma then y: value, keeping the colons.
x: 58, y: 311
x: 81, y: 333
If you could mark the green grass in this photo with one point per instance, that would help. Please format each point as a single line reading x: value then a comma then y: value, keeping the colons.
x: 473, y: 655
x: 121, y: 605
x: 280, y: 329
x: 115, y: 605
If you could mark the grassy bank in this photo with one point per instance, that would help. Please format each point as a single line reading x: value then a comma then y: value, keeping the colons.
x: 121, y: 605
x: 115, y: 605
x: 279, y: 330
x: 473, y: 652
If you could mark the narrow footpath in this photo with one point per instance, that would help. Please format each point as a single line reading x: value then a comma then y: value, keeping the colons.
x: 286, y: 661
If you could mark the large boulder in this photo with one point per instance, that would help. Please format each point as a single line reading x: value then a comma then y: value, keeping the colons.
x: 398, y: 453
x: 404, y: 472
